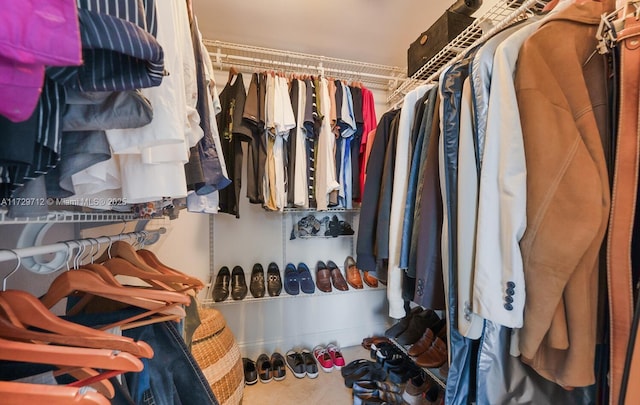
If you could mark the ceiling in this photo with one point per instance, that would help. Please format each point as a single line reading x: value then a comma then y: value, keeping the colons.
x: 374, y: 31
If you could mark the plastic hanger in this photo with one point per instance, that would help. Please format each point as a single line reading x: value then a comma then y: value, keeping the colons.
x: 31, y: 312
x: 25, y: 393
x: 88, y: 282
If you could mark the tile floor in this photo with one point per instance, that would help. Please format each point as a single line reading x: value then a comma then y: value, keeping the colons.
x: 327, y: 389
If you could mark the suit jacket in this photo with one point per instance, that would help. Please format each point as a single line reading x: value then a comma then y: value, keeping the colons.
x: 560, y: 86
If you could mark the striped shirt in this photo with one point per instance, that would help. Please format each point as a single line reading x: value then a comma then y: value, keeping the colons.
x: 118, y: 55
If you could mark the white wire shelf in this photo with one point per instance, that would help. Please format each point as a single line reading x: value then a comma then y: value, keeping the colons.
x: 226, y: 54
x: 498, y: 17
x: 283, y: 295
x: 433, y: 373
x: 67, y: 216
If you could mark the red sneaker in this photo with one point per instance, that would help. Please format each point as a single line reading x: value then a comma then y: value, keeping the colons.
x: 323, y: 358
x: 336, y: 356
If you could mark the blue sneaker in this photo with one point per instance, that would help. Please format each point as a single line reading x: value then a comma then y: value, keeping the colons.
x: 291, y: 284
x: 306, y: 281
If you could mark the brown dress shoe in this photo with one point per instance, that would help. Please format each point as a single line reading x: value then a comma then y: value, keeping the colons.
x: 353, y: 274
x: 436, y: 356
x: 423, y: 344
x: 370, y: 280
x: 323, y: 277
x: 336, y: 277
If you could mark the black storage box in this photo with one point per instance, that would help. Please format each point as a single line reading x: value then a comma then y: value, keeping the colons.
x: 430, y: 42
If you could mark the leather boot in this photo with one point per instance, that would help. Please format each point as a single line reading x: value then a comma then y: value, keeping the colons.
x: 417, y: 326
x: 435, y: 356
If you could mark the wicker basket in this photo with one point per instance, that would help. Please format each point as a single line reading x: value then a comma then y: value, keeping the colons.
x: 216, y: 351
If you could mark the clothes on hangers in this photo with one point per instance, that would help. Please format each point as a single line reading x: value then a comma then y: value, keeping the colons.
x: 493, y: 208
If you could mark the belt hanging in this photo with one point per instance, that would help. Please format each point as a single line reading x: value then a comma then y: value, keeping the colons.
x: 623, y: 203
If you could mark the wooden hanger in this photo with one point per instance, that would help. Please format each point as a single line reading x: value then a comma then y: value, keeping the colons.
x: 25, y: 393
x: 232, y: 72
x: 88, y: 282
x: 151, y: 259
x: 153, y: 276
x: 25, y: 311
x: 31, y: 312
x: 122, y: 267
x: 83, y: 374
x: 68, y: 356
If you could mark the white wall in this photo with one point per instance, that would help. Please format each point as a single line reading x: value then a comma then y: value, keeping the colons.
x: 279, y: 324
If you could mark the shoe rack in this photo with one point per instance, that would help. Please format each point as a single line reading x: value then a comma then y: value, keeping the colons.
x: 433, y: 373
x: 270, y: 324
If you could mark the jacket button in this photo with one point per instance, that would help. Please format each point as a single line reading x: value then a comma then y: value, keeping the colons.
x: 510, y: 291
x: 420, y: 282
x: 508, y: 306
x: 467, y: 318
x: 511, y: 284
x: 508, y: 299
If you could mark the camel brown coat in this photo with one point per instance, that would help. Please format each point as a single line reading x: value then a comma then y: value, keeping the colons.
x: 562, y: 96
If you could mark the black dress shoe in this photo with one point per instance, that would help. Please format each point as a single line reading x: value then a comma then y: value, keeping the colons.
x: 221, y: 286
x: 256, y: 286
x: 250, y: 371
x: 238, y: 284
x: 274, y: 281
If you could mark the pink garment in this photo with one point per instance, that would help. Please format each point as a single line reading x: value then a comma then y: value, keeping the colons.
x: 370, y: 124
x: 34, y: 34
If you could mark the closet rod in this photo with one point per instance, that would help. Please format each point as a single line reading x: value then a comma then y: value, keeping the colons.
x: 300, y: 66
x: 10, y: 254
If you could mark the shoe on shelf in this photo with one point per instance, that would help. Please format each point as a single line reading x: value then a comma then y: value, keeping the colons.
x: 291, y: 282
x: 221, y: 286
x: 353, y: 274
x: 278, y: 366
x: 274, y: 281
x: 333, y: 228
x: 323, y: 277
x: 346, y: 229
x: 336, y: 277
x: 250, y: 371
x: 238, y: 284
x: 415, y: 389
x: 436, y: 356
x: 295, y: 362
x: 368, y: 342
x: 378, y: 397
x: 323, y: 358
x: 402, y: 325
x: 256, y: 285
x: 310, y: 365
x: 336, y: 356
x: 306, y: 281
x: 263, y: 365
x: 369, y: 387
x: 417, y: 326
x: 369, y: 279
x: 423, y: 344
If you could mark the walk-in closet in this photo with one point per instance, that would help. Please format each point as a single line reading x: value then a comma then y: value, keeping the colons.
x: 345, y: 202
